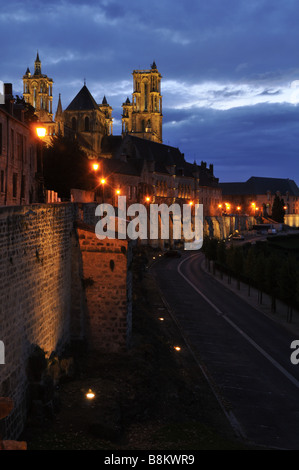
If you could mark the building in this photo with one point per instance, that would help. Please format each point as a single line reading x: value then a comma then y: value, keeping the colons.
x: 256, y: 196
x: 147, y: 171
x: 89, y: 120
x: 136, y: 162
x: 143, y: 116
x: 38, y: 92
x: 19, y: 167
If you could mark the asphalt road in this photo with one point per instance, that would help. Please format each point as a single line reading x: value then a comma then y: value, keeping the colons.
x: 243, y: 353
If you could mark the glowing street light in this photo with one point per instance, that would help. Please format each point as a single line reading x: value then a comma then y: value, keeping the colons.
x: 147, y: 199
x: 90, y: 395
x: 103, y: 181
x: 117, y: 191
x: 41, y: 132
x: 95, y: 166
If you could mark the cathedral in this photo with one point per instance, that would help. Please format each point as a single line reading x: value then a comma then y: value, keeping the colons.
x: 136, y: 163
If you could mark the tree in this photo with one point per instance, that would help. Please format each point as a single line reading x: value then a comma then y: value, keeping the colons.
x: 249, y: 264
x: 278, y: 209
x: 288, y: 279
x: 221, y: 256
x: 209, y: 248
x: 67, y: 167
x: 259, y: 275
x: 271, y: 271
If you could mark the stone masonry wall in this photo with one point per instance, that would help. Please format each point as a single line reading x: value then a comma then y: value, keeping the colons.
x: 57, y: 283
x: 107, y: 280
x: 35, y: 281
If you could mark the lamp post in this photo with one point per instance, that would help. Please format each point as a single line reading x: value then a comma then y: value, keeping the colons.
x: 95, y: 168
x: 41, y: 133
x: 103, y: 182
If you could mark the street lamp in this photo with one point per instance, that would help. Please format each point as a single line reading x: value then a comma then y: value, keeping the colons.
x: 95, y: 166
x: 103, y: 182
x: 41, y: 133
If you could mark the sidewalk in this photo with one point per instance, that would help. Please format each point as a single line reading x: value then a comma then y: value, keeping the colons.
x: 280, y: 316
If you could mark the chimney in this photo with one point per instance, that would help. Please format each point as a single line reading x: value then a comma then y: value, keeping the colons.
x: 9, y: 99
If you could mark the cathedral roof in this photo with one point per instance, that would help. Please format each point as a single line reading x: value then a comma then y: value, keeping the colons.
x: 83, y: 101
x: 260, y: 185
x: 164, y: 158
x: 164, y: 155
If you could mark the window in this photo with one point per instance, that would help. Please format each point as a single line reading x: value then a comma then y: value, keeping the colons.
x: 23, y: 187
x: 74, y: 124
x: 1, y: 137
x: 12, y: 144
x: 86, y: 124
x: 2, y: 181
x: 25, y: 150
x: 14, y: 185
x: 19, y: 147
x: 145, y: 96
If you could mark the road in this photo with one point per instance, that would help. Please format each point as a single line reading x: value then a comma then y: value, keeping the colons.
x: 244, y: 354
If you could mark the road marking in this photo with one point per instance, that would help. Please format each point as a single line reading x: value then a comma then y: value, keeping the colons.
x: 239, y: 330
x: 194, y: 287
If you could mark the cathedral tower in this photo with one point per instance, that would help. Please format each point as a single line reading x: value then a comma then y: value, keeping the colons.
x: 38, y: 91
x: 143, y: 117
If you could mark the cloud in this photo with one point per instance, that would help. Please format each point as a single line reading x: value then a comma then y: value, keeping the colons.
x: 258, y: 140
x: 226, y: 95
x: 229, y: 71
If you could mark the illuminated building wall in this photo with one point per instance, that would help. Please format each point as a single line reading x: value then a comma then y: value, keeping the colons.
x: 50, y: 291
x: 18, y: 155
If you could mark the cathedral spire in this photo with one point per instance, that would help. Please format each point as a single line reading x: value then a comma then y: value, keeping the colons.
x: 37, y: 65
x: 58, y: 114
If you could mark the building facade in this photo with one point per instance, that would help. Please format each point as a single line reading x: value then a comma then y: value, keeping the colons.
x: 256, y: 196
x: 149, y: 172
x: 143, y: 116
x: 38, y: 92
x: 19, y: 165
x: 87, y: 119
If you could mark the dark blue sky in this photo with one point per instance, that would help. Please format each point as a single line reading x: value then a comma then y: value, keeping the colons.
x: 230, y: 70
